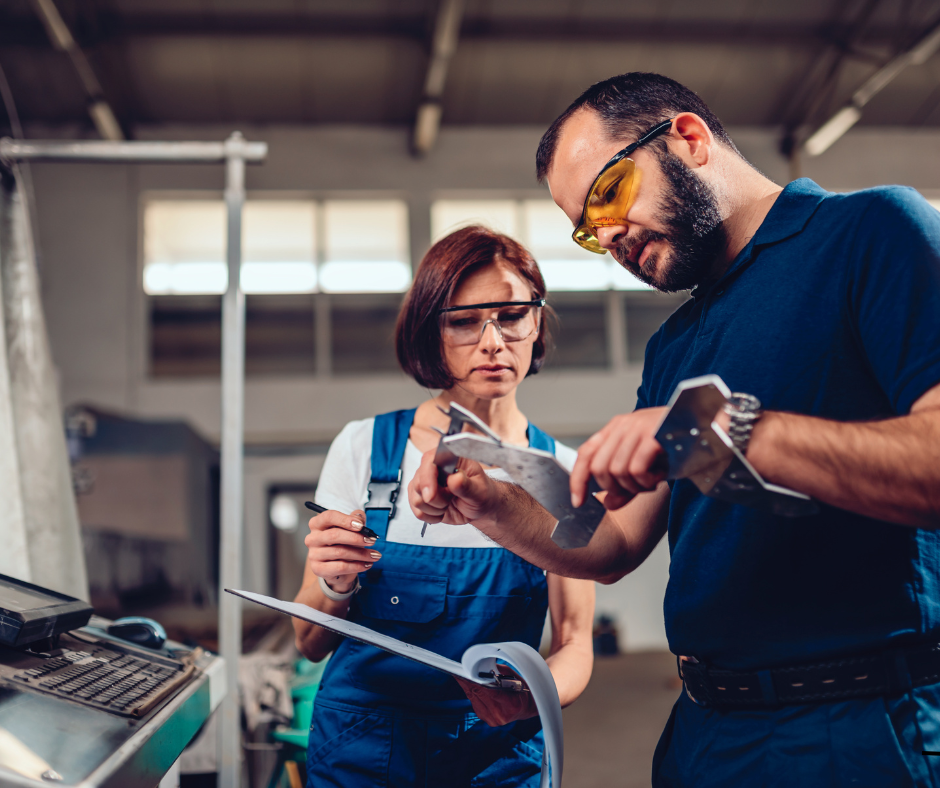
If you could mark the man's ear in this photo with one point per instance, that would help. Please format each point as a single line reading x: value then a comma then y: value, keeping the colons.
x: 697, y: 141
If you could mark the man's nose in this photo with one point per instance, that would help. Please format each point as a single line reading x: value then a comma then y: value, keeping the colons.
x: 608, y: 237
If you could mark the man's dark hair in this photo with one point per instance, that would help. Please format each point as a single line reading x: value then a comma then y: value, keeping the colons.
x: 628, y: 106
x: 441, y: 272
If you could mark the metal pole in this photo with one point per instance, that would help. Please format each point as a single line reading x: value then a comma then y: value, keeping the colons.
x: 234, y: 152
x: 233, y: 411
x: 129, y: 152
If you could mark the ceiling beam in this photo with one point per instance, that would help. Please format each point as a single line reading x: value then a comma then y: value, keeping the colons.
x: 823, y: 138
x: 98, y: 108
x: 443, y: 47
x: 19, y: 30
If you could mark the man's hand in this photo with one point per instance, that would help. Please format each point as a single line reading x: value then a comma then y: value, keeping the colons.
x: 336, y: 551
x: 499, y: 706
x: 624, y: 457
x: 468, y: 496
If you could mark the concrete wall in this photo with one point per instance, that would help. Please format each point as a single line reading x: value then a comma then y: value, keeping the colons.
x: 88, y: 218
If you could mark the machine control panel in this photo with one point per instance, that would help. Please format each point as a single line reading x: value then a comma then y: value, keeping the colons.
x: 102, y: 674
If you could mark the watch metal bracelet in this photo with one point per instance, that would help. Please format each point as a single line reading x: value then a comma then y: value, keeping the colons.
x: 744, y: 411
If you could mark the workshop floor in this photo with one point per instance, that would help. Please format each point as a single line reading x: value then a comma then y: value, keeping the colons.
x: 612, y: 730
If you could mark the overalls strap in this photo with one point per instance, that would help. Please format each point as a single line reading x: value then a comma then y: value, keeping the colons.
x: 389, y: 439
x: 539, y: 439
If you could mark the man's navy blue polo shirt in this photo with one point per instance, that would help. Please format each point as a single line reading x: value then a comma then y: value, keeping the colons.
x: 831, y: 310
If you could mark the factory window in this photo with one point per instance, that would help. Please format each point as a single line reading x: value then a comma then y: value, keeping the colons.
x: 365, y: 247
x: 186, y: 335
x: 582, y: 340
x: 363, y: 333
x: 288, y: 246
x: 541, y: 226
x: 292, y: 249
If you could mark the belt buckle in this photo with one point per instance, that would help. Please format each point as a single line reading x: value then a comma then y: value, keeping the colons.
x: 680, y: 659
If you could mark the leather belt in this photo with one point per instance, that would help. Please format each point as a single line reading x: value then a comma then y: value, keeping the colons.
x: 867, y: 675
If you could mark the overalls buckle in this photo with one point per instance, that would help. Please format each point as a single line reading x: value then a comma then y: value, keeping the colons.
x: 382, y: 495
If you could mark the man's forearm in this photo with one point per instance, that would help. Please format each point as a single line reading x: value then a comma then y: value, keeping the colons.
x: 620, y: 544
x: 889, y: 470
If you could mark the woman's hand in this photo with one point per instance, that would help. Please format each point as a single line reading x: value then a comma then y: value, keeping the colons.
x: 499, y: 706
x: 336, y: 551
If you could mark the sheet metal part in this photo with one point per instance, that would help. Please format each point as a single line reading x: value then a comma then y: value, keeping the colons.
x: 541, y: 475
x: 702, y: 452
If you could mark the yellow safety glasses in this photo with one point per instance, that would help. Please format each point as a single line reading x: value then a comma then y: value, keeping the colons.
x: 609, y: 199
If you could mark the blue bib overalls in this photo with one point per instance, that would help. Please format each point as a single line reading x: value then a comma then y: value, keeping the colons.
x: 382, y: 720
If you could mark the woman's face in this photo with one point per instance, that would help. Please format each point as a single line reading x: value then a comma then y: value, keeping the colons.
x: 490, y: 368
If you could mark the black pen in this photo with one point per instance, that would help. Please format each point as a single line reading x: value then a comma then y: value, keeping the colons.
x: 367, y: 532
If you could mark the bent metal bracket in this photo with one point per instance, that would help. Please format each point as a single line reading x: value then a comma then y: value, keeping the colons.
x: 700, y: 451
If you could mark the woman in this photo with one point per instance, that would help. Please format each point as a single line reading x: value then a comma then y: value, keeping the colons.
x: 472, y: 326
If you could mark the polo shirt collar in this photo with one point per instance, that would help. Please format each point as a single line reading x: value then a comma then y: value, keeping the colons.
x: 790, y: 212
x: 788, y: 216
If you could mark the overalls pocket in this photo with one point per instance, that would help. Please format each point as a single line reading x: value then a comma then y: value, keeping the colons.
x: 348, y: 749
x: 409, y: 607
x: 402, y: 596
x: 519, y: 763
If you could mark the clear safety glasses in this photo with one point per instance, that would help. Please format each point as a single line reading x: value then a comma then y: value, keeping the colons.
x: 611, y: 195
x: 514, y: 320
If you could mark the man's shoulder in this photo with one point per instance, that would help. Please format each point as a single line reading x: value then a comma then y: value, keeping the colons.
x: 903, y: 201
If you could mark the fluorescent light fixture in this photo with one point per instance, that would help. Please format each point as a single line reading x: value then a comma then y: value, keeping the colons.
x: 296, y: 277
x: 832, y: 130
x: 105, y: 122
x: 427, y: 125
x: 390, y: 276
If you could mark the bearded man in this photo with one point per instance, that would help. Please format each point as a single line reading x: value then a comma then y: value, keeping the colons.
x: 808, y: 646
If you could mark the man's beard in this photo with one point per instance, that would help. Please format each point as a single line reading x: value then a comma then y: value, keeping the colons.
x: 689, y: 210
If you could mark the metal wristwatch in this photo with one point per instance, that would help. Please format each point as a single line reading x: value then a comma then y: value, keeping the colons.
x: 744, y: 411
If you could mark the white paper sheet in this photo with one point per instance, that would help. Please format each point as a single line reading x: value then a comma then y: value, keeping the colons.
x: 477, y: 659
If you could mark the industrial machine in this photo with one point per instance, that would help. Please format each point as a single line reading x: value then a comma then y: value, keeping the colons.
x: 80, y: 706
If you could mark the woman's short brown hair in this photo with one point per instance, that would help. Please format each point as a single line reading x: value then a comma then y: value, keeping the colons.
x: 446, y: 264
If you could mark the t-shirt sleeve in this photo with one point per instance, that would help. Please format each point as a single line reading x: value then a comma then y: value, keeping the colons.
x: 565, y: 455
x: 894, y: 293
x: 344, y: 480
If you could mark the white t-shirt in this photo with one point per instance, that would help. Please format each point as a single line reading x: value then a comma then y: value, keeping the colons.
x: 344, y: 487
